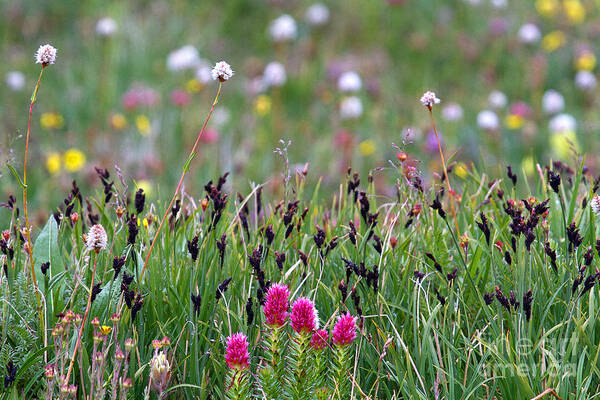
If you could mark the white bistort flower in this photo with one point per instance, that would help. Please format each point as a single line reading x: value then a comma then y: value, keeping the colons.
x: 562, y: 123
x: 351, y: 107
x: 452, y: 112
x: 529, y: 34
x: 429, y: 99
x: 349, y: 82
x: 553, y: 102
x: 283, y: 29
x: 595, y: 204
x: 186, y: 57
x: 45, y: 55
x: 488, y: 120
x: 274, y: 74
x: 15, y: 80
x: 106, y: 27
x: 96, y: 239
x: 317, y: 14
x: 585, y: 80
x: 222, y: 71
x: 497, y: 99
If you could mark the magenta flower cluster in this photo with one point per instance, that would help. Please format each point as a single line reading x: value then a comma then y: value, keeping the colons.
x: 277, y: 305
x: 237, y: 351
x: 344, y: 331
x: 304, y: 318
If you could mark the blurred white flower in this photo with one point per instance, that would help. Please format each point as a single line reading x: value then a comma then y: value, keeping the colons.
x: 274, y: 74
x: 562, y: 123
x: 410, y: 134
x: 255, y: 86
x: 499, y: 3
x: 529, y: 33
x: 222, y: 71
x: 497, y: 99
x: 585, y: 80
x: 488, y: 120
x: 220, y: 116
x: 452, y: 112
x: 351, y: 107
x: 204, y: 72
x: 283, y: 29
x: 553, y: 102
x: 429, y: 99
x: 106, y: 27
x: 15, y: 80
x: 349, y: 82
x: 186, y: 57
x: 317, y: 14
x: 45, y: 55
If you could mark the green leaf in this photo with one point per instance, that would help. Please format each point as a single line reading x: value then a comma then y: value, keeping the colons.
x: 12, y: 170
x: 186, y: 166
x: 45, y: 249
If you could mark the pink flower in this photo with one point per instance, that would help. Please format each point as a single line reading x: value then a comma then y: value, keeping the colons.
x: 180, y: 98
x: 304, y: 318
x: 237, y: 351
x: 210, y: 136
x: 277, y: 304
x: 319, y: 339
x: 139, y: 95
x: 344, y: 331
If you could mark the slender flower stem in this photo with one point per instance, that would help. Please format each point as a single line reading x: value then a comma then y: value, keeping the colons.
x: 183, y: 173
x: 87, y: 310
x: 450, y: 192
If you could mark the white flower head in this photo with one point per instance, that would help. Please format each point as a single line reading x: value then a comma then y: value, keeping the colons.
x: 274, y: 74
x: 15, y: 80
x: 585, y: 80
x: 204, y: 72
x: 429, y: 99
x: 497, y: 99
x: 317, y: 14
x: 349, y: 82
x: 562, y: 123
x: 186, y: 57
x: 553, y: 102
x: 283, y: 29
x: 351, y: 108
x: 452, y: 112
x: 529, y: 34
x: 96, y: 238
x: 595, y: 204
x: 45, y: 55
x: 488, y: 120
x: 222, y: 71
x: 106, y: 27
x: 499, y: 3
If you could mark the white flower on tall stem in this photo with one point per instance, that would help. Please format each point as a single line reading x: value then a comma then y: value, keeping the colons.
x: 283, y: 29
x: 222, y: 71
x: 351, y: 108
x: 497, y: 99
x: 488, y: 120
x: 186, y: 57
x: 553, y: 102
x: 46, y: 55
x: 317, y: 14
x: 96, y: 239
x: 585, y: 80
x: 15, y: 80
x: 274, y: 74
x: 349, y: 82
x: 429, y: 99
x: 529, y: 34
x: 106, y: 27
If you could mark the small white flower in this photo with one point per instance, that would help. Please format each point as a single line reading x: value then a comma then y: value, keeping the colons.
x: 186, y: 57
x: 595, y: 204
x: 499, y: 3
x: 221, y: 116
x: 488, y: 120
x: 96, y: 238
x: 283, y: 29
x: 349, y: 82
x: 452, y: 112
x: 222, y: 71
x: 529, y: 34
x: 585, y: 80
x: 15, y: 80
x: 497, y: 99
x: 317, y: 14
x: 553, y: 102
x: 106, y: 27
x: 562, y: 123
x: 204, y: 72
x: 274, y: 74
x: 428, y: 99
x: 351, y: 108
x: 45, y: 55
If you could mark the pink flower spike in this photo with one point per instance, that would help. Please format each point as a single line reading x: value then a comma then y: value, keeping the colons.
x: 304, y: 315
x: 237, y: 351
x: 319, y: 339
x: 344, y: 331
x: 277, y: 304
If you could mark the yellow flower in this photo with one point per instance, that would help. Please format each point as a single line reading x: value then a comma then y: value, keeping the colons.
x: 574, y: 10
x: 145, y: 185
x: 528, y: 165
x: 53, y: 163
x: 586, y: 61
x: 262, y: 105
x: 461, y: 170
x: 193, y: 86
x: 74, y: 160
x: 563, y: 142
x: 51, y: 120
x: 105, y: 330
x: 514, y: 121
x: 145, y: 222
x: 366, y: 147
x: 118, y: 122
x: 553, y: 41
x: 143, y: 125
x: 547, y: 8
